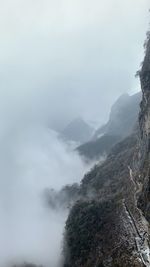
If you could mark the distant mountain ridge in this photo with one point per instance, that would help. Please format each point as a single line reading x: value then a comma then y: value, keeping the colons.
x: 122, y: 120
x: 123, y: 116
x: 78, y: 131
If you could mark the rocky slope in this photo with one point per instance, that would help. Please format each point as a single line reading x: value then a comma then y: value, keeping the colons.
x: 109, y: 225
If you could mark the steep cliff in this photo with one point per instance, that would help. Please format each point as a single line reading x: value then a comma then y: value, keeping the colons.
x: 144, y: 119
x: 109, y: 225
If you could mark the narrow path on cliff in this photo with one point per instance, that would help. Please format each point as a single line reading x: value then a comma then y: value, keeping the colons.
x: 141, y: 234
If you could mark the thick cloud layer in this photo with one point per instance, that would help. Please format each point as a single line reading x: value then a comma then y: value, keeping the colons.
x: 85, y: 52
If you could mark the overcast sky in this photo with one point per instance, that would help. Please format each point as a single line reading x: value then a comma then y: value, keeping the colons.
x: 59, y: 59
x: 66, y: 58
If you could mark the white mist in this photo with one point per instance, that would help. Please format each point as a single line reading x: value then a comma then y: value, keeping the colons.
x: 32, y: 159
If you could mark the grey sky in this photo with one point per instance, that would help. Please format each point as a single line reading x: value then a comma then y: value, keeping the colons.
x: 69, y: 57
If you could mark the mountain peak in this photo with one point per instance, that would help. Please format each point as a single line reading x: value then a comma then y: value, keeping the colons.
x: 78, y: 130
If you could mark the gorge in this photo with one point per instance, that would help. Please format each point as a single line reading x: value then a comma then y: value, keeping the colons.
x: 74, y: 133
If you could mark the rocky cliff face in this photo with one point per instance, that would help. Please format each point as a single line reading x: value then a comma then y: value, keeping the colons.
x: 109, y: 225
x: 144, y: 119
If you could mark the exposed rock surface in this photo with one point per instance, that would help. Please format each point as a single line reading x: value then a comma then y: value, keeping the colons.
x: 109, y: 225
x: 144, y: 201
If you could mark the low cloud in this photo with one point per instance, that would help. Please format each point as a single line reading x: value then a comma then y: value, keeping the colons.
x: 32, y: 159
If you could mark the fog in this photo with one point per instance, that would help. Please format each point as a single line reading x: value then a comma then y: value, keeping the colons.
x: 31, y: 160
x: 76, y: 50
x: 58, y: 60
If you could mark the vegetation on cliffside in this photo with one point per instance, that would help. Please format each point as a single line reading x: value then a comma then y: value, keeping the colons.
x: 109, y: 225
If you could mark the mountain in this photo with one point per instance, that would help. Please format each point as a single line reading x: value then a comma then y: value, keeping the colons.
x: 122, y: 120
x: 123, y: 116
x: 78, y: 131
x: 99, y: 223
x: 95, y: 149
x: 109, y: 225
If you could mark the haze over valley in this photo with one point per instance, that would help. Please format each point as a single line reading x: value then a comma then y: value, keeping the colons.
x: 70, y: 130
